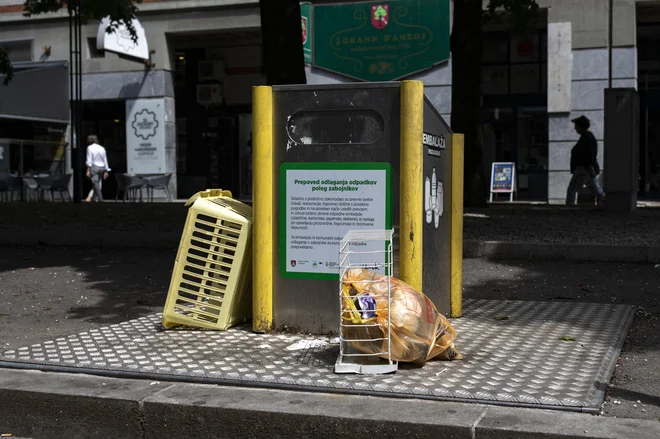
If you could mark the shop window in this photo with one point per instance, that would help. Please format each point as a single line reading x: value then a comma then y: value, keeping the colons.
x: 524, y: 49
x: 19, y: 51
x: 525, y: 78
x: 514, y: 65
x: 495, y: 49
x: 495, y: 80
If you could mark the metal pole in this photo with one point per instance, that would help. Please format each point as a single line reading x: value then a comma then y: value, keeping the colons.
x: 610, y: 41
x: 81, y: 152
x: 75, y: 92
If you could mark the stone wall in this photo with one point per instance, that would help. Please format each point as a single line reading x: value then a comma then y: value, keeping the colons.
x: 590, y: 78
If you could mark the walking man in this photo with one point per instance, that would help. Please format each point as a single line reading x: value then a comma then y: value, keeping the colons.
x: 584, y: 163
x: 97, y: 165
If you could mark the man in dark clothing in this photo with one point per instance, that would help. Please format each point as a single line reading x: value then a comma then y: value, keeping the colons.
x: 584, y: 163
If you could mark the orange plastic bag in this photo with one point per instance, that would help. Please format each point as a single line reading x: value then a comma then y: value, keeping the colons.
x: 418, y: 332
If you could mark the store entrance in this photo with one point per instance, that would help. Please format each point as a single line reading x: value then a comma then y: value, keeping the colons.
x: 519, y: 134
x: 107, y: 121
x: 649, y: 145
x: 214, y: 76
x: 648, y: 59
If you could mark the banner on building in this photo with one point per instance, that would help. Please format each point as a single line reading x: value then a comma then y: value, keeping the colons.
x: 381, y: 41
x: 306, y: 22
x: 120, y: 40
x: 145, y: 136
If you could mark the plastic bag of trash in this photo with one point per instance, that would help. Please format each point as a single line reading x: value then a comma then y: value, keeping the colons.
x: 418, y: 332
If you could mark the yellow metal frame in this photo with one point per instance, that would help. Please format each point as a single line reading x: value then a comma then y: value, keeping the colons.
x: 262, y: 202
x: 456, y: 290
x: 411, y: 183
x: 216, y: 297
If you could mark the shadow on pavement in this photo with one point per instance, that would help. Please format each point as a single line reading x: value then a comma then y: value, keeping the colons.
x: 51, y: 292
x: 635, y: 390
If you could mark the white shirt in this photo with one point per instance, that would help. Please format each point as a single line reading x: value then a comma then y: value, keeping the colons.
x: 96, y: 156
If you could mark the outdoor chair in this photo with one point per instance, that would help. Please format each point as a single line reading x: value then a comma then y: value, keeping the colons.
x: 5, y: 181
x: 59, y: 184
x: 44, y: 185
x: 31, y: 188
x: 129, y: 185
x: 160, y: 182
x: 15, y: 187
x: 10, y: 185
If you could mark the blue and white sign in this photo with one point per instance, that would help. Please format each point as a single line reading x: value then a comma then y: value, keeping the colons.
x: 145, y: 136
x: 503, y: 179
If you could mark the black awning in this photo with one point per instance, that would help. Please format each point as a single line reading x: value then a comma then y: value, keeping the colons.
x: 39, y: 92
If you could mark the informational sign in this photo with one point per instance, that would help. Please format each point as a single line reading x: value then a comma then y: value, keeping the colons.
x: 435, y: 145
x: 120, y: 40
x: 381, y: 41
x: 145, y: 136
x: 503, y: 179
x: 306, y: 22
x: 320, y: 203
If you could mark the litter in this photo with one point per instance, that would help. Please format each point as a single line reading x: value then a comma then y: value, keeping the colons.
x: 417, y: 330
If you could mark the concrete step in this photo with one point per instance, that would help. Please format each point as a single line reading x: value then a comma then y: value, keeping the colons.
x: 45, y: 405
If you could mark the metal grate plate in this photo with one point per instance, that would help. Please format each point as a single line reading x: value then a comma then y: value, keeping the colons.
x: 520, y: 360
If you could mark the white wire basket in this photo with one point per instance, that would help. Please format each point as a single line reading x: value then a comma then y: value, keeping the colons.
x: 371, y: 250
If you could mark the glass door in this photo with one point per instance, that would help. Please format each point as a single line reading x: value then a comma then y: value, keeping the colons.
x: 532, y: 153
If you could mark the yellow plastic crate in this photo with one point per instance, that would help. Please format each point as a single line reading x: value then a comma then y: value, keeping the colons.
x: 210, y: 286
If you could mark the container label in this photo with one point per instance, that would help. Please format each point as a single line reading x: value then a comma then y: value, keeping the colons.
x: 319, y: 204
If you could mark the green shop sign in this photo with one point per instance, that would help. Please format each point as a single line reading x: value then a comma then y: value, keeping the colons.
x: 381, y: 41
x: 306, y: 22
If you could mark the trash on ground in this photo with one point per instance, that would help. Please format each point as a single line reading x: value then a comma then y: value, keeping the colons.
x: 418, y: 332
x: 567, y: 338
x: 501, y: 317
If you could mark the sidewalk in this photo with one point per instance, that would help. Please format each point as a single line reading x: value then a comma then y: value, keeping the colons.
x: 500, y: 232
x: 57, y: 292
x: 86, y: 407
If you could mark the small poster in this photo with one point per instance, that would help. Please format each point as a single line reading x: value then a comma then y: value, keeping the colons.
x: 503, y: 177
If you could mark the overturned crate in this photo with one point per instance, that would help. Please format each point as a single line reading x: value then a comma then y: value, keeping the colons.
x: 210, y: 286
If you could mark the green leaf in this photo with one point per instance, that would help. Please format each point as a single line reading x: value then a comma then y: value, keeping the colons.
x: 502, y: 318
x: 521, y: 15
x: 119, y: 11
x: 567, y: 338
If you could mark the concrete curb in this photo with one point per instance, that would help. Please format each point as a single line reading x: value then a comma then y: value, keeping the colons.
x: 495, y: 250
x: 498, y: 250
x: 47, y: 405
x: 104, y: 239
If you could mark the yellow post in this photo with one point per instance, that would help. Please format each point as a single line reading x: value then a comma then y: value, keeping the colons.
x: 262, y: 203
x: 457, y: 156
x: 411, y: 183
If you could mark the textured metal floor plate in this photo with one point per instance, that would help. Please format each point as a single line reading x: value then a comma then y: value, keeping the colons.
x: 520, y: 360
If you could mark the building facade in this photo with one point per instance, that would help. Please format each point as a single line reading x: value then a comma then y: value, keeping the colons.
x: 532, y: 87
